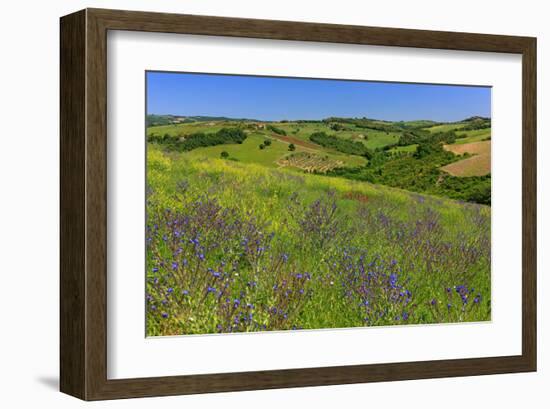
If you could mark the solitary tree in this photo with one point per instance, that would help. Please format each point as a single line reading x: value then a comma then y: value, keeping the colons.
x: 224, y: 155
x: 291, y: 147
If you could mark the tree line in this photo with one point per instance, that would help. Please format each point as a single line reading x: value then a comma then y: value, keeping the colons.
x: 419, y: 172
x: 199, y: 139
x: 342, y: 145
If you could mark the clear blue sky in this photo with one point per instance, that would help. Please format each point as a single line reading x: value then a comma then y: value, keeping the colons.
x: 268, y: 98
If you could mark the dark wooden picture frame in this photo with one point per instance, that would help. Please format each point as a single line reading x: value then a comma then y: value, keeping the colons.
x: 83, y: 329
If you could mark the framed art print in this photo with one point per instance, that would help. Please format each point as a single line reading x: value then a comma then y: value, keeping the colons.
x: 252, y: 204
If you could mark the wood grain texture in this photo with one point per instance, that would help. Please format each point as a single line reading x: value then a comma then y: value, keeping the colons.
x: 84, y: 203
x: 529, y: 201
x: 72, y: 199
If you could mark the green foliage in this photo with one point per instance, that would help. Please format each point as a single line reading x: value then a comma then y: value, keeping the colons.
x: 416, y: 124
x: 419, y: 136
x: 366, y: 123
x: 341, y: 145
x: 419, y: 172
x: 276, y: 130
x: 200, y: 139
x: 155, y: 120
x: 477, y: 122
x: 337, y: 126
x: 470, y: 189
x: 407, y: 155
x: 224, y: 155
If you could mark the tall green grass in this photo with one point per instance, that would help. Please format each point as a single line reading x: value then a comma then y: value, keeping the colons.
x: 237, y: 246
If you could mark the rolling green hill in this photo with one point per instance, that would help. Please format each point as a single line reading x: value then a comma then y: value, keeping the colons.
x: 404, y: 154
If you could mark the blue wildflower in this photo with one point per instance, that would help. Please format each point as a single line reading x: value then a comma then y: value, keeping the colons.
x: 393, y: 280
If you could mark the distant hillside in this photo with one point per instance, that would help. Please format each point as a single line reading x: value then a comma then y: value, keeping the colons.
x: 471, y: 123
x: 156, y: 120
x: 421, y: 123
x: 476, y: 118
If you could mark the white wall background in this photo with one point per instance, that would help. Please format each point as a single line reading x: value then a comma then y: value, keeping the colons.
x: 29, y: 172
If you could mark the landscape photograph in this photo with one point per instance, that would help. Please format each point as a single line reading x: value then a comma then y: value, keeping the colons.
x: 278, y: 203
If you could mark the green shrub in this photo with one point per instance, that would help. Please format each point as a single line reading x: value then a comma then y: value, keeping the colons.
x: 342, y: 145
x: 200, y: 139
x: 276, y: 130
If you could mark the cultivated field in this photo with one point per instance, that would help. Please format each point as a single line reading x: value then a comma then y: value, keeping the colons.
x: 309, y: 162
x: 477, y: 165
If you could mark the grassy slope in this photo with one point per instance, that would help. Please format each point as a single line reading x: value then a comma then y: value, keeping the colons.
x: 429, y: 243
x: 372, y: 138
x: 445, y: 127
x: 187, y: 128
x: 249, y: 152
x: 473, y: 136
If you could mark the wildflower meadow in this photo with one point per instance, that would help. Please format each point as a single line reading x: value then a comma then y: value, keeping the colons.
x: 241, y: 247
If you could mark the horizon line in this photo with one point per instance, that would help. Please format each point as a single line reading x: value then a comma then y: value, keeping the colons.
x: 318, y: 119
